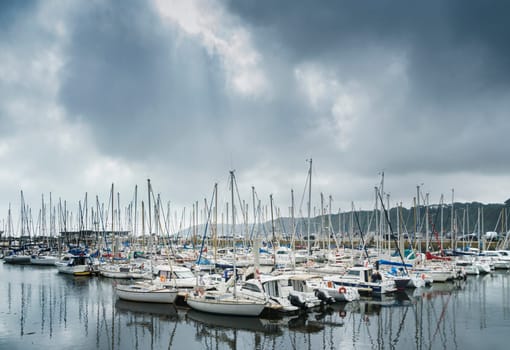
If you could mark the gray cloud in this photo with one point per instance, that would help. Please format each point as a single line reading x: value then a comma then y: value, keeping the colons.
x: 140, y: 85
x: 419, y: 90
x: 457, y: 70
x: 147, y: 88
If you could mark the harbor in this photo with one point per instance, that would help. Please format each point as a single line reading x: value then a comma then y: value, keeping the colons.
x: 249, y: 282
x: 43, y: 308
x: 189, y: 174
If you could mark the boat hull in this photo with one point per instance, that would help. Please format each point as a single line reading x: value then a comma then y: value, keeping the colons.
x: 44, y: 260
x: 230, y: 306
x: 146, y: 295
x: 17, y: 259
x: 80, y: 270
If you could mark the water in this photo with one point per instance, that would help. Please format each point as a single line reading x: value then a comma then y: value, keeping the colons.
x: 42, y: 309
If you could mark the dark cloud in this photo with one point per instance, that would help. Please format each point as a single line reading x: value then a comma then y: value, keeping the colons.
x: 454, y: 49
x: 149, y: 90
x: 12, y: 11
x: 140, y: 85
x: 456, y: 65
x: 454, y: 37
x: 428, y: 82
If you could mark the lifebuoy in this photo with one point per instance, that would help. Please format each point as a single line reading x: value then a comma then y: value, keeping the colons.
x: 162, y: 278
x: 330, y: 284
x: 342, y: 290
x: 423, y: 276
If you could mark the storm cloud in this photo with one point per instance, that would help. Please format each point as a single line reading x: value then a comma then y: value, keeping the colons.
x: 181, y: 92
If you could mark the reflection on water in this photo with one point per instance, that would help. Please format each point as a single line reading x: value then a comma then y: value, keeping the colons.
x: 43, y: 308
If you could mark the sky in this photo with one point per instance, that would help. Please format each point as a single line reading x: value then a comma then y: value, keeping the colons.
x: 95, y: 93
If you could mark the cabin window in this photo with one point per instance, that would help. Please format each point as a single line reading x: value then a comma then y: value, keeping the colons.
x: 272, y: 289
x: 251, y: 287
x: 184, y: 274
x: 296, y: 285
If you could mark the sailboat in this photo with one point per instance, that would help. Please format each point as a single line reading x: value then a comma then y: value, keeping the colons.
x: 223, y: 302
x: 19, y: 256
x: 146, y: 292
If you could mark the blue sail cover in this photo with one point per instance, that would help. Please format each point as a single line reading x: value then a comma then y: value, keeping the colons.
x: 393, y: 263
x: 202, y: 261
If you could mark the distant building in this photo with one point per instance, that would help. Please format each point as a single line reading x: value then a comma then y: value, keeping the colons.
x: 90, y: 236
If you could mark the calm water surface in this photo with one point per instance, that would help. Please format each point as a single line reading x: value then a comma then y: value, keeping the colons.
x: 40, y: 308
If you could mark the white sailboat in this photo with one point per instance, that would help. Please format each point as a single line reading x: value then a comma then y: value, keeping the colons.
x: 146, y: 292
x: 43, y: 259
x: 225, y: 303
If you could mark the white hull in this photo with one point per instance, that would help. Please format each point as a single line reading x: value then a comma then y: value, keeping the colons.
x: 342, y: 294
x: 417, y: 281
x: 44, y: 260
x: 123, y: 272
x: 114, y: 274
x: 502, y: 265
x: 146, y: 294
x: 225, y: 305
x: 440, y: 276
x: 437, y: 274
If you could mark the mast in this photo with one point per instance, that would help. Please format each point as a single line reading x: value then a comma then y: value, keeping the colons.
x: 149, y: 206
x: 233, y: 227
x: 143, y: 228
x: 309, y: 204
x: 114, y: 243
x: 452, y: 221
x: 135, y: 226
x: 9, y: 224
x: 418, y: 209
x: 293, y: 222
x: 330, y: 224
x: 272, y: 228
x: 43, y: 218
x: 215, y: 230
x: 376, y: 223
x: 415, y: 223
x: 322, y: 220
x: 479, y: 222
x: 22, y: 233
x: 254, y: 210
x: 383, y: 227
x: 386, y: 228
x: 427, y: 238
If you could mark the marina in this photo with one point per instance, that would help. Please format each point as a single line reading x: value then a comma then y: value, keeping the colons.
x: 44, y: 308
x: 103, y: 282
x: 254, y: 175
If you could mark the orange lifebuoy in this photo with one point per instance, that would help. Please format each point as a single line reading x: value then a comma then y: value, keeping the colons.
x: 342, y: 290
x: 330, y: 284
x: 162, y: 278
